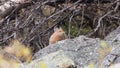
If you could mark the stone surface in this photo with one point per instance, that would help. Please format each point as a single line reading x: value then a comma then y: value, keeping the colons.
x: 113, y: 40
x: 81, y: 50
x: 53, y: 60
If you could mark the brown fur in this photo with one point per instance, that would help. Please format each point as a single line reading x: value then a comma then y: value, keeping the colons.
x: 58, y: 35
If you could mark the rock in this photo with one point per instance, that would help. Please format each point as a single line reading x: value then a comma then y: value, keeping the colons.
x: 113, y: 35
x: 112, y: 58
x: 81, y: 50
x: 113, y: 39
x: 115, y: 66
x: 53, y: 60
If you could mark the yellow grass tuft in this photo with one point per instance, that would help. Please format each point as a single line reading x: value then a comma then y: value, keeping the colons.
x: 19, y: 50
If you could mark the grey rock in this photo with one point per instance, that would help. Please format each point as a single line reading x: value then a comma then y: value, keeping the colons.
x: 53, y: 60
x: 113, y: 40
x: 113, y: 34
x: 81, y: 50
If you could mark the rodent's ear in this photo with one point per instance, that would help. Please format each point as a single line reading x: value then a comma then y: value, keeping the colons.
x: 56, y: 28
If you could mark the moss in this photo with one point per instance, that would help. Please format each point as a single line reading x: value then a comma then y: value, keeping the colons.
x: 74, y: 31
x: 85, y: 30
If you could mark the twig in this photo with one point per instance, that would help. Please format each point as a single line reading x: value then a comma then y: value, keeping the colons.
x: 100, y: 19
x: 117, y: 5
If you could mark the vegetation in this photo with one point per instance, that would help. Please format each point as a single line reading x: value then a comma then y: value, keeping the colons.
x: 32, y: 22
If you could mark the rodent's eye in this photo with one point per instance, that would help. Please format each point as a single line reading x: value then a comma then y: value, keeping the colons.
x: 60, y: 31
